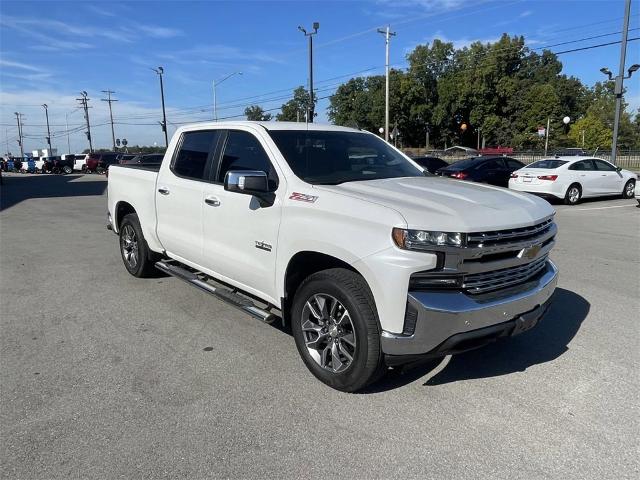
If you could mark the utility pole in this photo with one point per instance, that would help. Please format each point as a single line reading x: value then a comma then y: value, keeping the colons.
x: 546, y: 140
x: 110, y: 101
x: 478, y: 142
x: 311, y: 107
x: 427, y: 143
x: 18, y: 115
x: 387, y: 34
x: 160, y: 72
x: 66, y: 121
x: 84, y: 102
x: 46, y: 113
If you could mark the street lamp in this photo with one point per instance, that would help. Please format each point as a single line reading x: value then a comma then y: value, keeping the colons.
x: 311, y: 107
x: 215, y: 106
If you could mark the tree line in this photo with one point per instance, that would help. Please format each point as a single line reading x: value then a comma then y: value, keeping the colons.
x: 495, y: 94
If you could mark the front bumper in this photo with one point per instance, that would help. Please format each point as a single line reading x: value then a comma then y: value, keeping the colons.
x: 447, y: 320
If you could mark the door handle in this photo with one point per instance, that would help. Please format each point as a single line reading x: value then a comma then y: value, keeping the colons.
x: 163, y: 190
x: 213, y: 201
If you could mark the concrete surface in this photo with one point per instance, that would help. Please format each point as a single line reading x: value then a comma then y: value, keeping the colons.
x: 106, y: 376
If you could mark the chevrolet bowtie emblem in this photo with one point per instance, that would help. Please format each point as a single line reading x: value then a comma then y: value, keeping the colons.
x: 530, y: 252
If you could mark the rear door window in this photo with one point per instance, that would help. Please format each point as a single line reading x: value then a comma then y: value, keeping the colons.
x: 195, y: 152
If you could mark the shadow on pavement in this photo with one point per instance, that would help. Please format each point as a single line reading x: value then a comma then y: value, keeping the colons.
x: 544, y: 343
x: 16, y: 188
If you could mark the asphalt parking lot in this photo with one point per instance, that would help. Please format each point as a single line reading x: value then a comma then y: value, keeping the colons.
x: 106, y: 376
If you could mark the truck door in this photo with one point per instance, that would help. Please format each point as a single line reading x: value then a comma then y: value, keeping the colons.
x: 179, y: 190
x: 240, y: 235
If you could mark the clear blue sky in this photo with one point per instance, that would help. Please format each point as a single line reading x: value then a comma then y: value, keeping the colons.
x: 50, y: 51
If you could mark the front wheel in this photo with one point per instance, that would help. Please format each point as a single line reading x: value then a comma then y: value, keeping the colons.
x: 335, y: 327
x: 629, y: 189
x: 67, y: 169
x: 136, y: 256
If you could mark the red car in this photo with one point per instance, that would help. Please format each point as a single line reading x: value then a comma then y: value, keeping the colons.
x: 99, y: 162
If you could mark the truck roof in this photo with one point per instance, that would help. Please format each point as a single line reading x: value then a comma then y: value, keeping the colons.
x: 271, y: 126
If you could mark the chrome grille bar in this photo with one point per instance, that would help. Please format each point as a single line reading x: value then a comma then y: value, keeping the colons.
x: 500, y: 236
x: 497, y: 279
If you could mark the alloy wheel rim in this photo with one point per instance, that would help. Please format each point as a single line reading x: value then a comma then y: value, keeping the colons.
x: 328, y: 332
x: 630, y: 189
x: 129, y: 245
x: 573, y: 194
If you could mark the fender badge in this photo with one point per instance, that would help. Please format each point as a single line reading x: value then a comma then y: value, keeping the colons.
x: 302, y: 197
x: 263, y: 246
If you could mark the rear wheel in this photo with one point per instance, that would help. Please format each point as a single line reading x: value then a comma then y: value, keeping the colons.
x: 136, y: 256
x: 335, y: 327
x: 573, y: 195
x: 629, y: 189
x: 67, y: 169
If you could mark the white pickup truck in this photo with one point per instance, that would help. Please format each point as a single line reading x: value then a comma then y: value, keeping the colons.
x: 372, y: 261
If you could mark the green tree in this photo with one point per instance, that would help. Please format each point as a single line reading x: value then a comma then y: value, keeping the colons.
x: 295, y: 109
x: 257, y: 113
x: 595, y: 133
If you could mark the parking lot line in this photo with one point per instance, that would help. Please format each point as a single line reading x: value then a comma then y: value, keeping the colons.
x: 595, y: 208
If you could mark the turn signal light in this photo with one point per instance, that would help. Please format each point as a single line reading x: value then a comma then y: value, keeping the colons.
x: 551, y: 178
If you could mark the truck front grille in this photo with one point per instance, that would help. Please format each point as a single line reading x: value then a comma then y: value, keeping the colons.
x: 506, y: 277
x: 498, y: 237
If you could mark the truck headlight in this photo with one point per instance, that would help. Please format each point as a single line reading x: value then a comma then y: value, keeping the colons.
x: 426, y: 239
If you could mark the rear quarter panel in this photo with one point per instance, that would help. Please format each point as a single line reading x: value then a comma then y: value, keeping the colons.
x: 137, y: 188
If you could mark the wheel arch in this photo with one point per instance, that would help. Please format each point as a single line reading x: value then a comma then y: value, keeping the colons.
x: 308, y: 262
x: 122, y: 209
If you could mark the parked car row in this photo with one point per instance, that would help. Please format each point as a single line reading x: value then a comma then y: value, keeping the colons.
x: 570, y: 178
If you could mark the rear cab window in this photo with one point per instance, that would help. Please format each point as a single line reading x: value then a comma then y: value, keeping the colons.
x: 193, y: 158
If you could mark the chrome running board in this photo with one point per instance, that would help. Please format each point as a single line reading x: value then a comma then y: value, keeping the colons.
x: 239, y: 301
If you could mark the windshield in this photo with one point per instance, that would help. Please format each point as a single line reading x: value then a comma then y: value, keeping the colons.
x: 330, y: 158
x: 551, y: 164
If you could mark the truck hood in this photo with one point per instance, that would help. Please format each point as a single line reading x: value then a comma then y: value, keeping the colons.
x: 434, y: 203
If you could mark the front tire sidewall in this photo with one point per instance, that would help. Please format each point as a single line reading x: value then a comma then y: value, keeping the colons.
x: 366, y: 360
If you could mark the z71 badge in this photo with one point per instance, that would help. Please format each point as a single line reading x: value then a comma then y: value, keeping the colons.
x: 263, y: 246
x: 302, y: 197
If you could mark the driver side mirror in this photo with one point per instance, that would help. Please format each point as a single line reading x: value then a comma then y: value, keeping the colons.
x: 250, y: 182
x: 618, y: 169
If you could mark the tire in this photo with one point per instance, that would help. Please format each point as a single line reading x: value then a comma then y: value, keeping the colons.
x: 629, y: 189
x: 67, y: 169
x: 338, y: 296
x: 136, y: 256
x: 99, y: 170
x: 573, y: 195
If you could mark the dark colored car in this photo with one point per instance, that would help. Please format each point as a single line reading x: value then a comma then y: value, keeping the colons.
x: 144, y: 159
x: 124, y: 157
x: 571, y: 152
x: 99, y: 162
x: 57, y: 165
x: 431, y: 164
x: 492, y: 170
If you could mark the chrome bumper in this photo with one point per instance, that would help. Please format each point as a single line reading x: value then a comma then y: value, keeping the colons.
x: 444, y: 316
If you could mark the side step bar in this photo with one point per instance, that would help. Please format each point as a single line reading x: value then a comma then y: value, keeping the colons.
x: 232, y: 298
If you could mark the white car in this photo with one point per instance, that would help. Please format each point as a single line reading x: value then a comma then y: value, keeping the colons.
x: 573, y: 178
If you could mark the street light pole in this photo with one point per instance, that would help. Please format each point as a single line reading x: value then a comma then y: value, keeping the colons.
x: 546, y: 140
x: 160, y: 72
x: 215, y: 102
x: 311, y: 107
x: 619, y: 81
x: 46, y: 113
x: 387, y: 34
